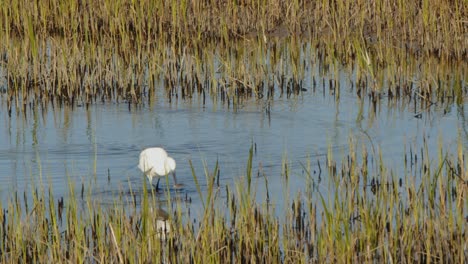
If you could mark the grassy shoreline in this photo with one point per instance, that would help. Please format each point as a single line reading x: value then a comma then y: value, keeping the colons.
x: 89, y: 51
x: 438, y: 28
x: 75, y: 75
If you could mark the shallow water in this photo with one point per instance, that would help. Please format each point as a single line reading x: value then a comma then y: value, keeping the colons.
x: 99, y: 146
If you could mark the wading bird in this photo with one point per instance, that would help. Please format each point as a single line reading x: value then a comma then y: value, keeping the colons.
x: 154, y: 162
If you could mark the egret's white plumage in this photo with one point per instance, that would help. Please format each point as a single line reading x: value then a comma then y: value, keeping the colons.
x: 154, y: 162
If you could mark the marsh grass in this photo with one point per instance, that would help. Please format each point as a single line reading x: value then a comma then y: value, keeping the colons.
x: 367, y: 212
x: 81, y: 52
x: 228, y: 77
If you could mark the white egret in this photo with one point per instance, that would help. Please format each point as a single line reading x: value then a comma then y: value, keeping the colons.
x: 154, y: 162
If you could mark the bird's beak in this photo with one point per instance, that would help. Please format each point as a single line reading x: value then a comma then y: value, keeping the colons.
x: 176, y: 185
x: 174, y: 175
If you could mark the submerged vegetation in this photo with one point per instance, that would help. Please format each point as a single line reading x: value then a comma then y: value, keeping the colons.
x: 80, y: 52
x: 364, y: 212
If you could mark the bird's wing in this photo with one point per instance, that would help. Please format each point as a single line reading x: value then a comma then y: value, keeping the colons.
x: 152, y: 160
x: 143, y: 163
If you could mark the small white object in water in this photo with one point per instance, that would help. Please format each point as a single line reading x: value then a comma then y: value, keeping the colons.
x: 163, y: 226
x: 154, y: 162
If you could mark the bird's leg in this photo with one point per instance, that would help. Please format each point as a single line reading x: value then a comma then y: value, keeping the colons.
x: 157, y: 184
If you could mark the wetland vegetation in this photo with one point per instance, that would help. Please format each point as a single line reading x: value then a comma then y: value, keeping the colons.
x: 366, y: 214
x: 354, y: 206
x: 85, y: 51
